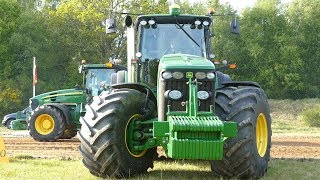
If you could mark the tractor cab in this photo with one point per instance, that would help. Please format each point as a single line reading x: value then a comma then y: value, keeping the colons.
x: 98, y: 77
x: 160, y: 35
x: 165, y: 35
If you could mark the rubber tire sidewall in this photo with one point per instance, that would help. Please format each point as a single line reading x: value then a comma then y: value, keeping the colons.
x: 7, y: 124
x: 257, y: 165
x: 59, y: 123
x: 114, y: 111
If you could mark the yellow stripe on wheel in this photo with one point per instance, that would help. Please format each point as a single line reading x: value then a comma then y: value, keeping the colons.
x: 141, y: 153
x: 261, y: 134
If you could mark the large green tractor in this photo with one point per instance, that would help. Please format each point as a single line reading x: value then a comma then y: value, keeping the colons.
x: 55, y: 115
x: 176, y: 98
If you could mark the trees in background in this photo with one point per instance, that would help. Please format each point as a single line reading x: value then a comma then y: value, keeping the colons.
x: 278, y: 45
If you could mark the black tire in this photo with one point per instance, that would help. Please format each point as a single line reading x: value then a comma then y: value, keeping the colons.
x: 8, y: 123
x: 69, y: 132
x: 46, y: 123
x: 102, y: 134
x: 247, y: 106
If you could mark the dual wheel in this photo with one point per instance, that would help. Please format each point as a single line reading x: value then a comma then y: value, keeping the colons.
x: 47, y: 123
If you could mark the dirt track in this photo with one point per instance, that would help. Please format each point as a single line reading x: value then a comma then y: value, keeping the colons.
x: 282, y: 147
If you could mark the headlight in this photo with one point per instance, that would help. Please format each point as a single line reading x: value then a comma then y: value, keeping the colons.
x: 197, y: 22
x: 210, y: 75
x: 178, y: 75
x: 143, y: 22
x: 201, y: 75
x: 173, y: 94
x: 203, y: 95
x: 166, y: 75
x: 206, y: 23
x: 151, y: 22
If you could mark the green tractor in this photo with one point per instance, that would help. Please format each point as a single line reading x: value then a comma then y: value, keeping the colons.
x: 55, y: 115
x: 176, y: 98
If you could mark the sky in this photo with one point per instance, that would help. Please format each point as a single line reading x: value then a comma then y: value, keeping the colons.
x: 239, y: 4
x: 236, y: 4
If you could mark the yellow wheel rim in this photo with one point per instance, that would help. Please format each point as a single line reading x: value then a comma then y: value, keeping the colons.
x: 125, y: 136
x: 262, y: 134
x: 44, y: 124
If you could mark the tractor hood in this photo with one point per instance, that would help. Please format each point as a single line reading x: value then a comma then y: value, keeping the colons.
x: 185, y: 61
x: 59, y: 96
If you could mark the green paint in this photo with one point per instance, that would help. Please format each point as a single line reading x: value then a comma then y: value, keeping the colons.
x: 186, y: 134
x: 19, y: 124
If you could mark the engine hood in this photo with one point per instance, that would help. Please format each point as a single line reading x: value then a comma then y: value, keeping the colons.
x: 185, y: 61
x: 59, y: 96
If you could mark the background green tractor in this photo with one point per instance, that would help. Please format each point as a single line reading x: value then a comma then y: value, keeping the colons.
x: 56, y: 114
x: 176, y: 98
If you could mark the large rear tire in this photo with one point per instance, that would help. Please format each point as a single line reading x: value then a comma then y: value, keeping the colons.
x: 247, y: 155
x: 46, y: 123
x: 103, y: 134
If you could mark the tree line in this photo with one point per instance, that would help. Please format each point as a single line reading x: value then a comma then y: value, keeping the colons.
x: 278, y: 46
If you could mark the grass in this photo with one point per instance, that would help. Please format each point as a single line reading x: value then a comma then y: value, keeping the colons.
x: 29, y: 168
x: 287, y: 117
x: 4, y: 130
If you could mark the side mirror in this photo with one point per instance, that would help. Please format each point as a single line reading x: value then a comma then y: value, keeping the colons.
x: 110, y: 26
x: 235, y: 26
x: 128, y: 21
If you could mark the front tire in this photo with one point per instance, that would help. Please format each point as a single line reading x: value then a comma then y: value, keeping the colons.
x: 247, y: 155
x: 104, y: 146
x: 8, y: 123
x: 46, y: 123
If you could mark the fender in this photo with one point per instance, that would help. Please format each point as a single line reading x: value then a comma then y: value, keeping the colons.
x: 139, y: 87
x: 241, y: 83
x: 65, y: 110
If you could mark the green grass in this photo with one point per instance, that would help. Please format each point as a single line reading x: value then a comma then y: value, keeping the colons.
x: 28, y: 168
x: 4, y: 130
x: 287, y: 117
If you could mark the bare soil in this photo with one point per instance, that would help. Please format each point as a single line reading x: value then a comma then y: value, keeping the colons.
x: 282, y: 147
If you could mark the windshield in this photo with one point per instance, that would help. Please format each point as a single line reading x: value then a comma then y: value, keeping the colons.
x: 96, y: 79
x: 171, y: 39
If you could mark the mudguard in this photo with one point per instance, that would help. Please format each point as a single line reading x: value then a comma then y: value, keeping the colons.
x: 137, y: 86
x: 241, y: 83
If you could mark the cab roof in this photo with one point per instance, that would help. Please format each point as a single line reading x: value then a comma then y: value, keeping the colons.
x: 170, y: 19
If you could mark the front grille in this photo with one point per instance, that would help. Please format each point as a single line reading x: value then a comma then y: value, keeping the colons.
x: 207, y: 85
x: 181, y: 85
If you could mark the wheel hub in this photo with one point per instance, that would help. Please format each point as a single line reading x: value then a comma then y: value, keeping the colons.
x: 261, y: 134
x: 132, y: 136
x: 44, y: 124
